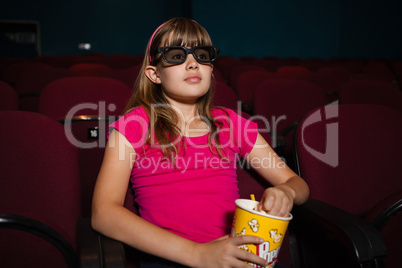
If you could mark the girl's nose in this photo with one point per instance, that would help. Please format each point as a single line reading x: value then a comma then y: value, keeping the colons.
x: 191, y: 62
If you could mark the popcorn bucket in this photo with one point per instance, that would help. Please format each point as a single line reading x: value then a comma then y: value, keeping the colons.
x: 248, y: 221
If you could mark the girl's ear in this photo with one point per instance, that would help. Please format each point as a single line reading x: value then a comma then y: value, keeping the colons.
x: 152, y: 74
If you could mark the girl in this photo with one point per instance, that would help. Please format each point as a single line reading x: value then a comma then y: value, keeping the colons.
x: 180, y: 155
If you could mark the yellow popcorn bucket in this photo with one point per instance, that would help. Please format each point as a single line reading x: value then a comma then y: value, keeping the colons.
x: 249, y: 221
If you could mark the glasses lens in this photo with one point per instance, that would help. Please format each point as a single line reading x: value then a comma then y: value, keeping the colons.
x: 175, y: 55
x: 205, y: 54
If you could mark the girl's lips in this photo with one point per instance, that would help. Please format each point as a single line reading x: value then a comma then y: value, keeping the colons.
x: 193, y: 79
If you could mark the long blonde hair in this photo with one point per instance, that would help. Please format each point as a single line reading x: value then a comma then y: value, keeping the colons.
x: 163, y: 122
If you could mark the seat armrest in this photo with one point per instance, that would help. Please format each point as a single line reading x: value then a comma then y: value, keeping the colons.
x: 96, y: 250
x: 42, y: 230
x: 393, y: 205
x: 324, y: 236
x: 113, y: 252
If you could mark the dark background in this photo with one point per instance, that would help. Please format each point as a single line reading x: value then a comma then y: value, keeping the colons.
x: 287, y: 28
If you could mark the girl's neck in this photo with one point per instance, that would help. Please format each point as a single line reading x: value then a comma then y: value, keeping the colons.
x: 185, y: 110
x: 190, y: 124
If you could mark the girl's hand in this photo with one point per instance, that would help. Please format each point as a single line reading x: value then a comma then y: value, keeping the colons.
x: 277, y: 201
x: 225, y: 253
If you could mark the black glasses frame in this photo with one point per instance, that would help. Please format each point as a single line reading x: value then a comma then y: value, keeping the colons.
x: 192, y: 50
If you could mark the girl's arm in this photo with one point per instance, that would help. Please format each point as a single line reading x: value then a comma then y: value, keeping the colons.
x: 110, y: 217
x: 288, y: 188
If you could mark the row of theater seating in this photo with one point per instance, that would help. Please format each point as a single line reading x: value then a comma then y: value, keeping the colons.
x: 243, y: 76
x: 113, y: 61
x: 41, y: 219
x: 284, y: 102
x: 86, y: 106
x: 355, y: 68
x: 348, y: 154
x: 242, y: 84
x: 47, y: 185
x: 280, y: 102
x: 29, y: 77
x: 230, y: 68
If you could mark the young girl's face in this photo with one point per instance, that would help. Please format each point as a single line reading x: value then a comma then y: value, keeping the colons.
x: 184, y: 82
